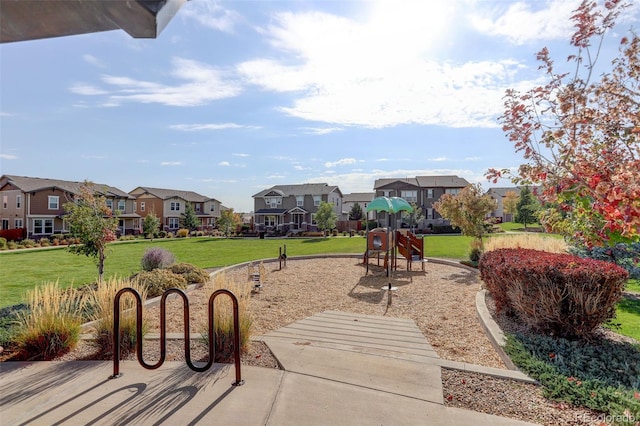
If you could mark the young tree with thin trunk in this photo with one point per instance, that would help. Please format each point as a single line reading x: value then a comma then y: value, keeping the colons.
x: 93, y: 223
x: 467, y: 210
x: 326, y: 218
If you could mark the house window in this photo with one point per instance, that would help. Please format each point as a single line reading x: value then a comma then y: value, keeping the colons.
x: 5, y: 201
x: 43, y: 226
x: 141, y: 206
x: 18, y: 223
x: 121, y: 205
x: 213, y: 208
x: 300, y: 200
x: 410, y: 196
x: 135, y: 206
x: 18, y: 201
x: 5, y: 224
x: 269, y: 221
x: 109, y: 204
x: 175, y: 206
x: 313, y: 219
x: 429, y: 193
x: 452, y: 191
x: 198, y: 207
x: 429, y: 213
x: 316, y: 200
x: 54, y: 202
x: 273, y: 202
x: 174, y: 222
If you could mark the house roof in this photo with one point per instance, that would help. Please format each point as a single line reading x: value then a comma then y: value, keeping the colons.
x: 302, y: 189
x: 271, y: 211
x: 502, y: 191
x: 381, y: 183
x: 34, y: 184
x: 358, y: 197
x: 447, y: 181
x: 165, y: 194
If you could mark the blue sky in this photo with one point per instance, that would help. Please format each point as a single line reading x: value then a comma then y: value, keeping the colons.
x: 235, y: 97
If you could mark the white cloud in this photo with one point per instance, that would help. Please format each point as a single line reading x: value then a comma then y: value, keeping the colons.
x: 90, y: 59
x: 201, y: 85
x: 87, y: 89
x: 323, y: 130
x: 210, y: 14
x: 438, y: 159
x: 171, y: 163
x: 224, y: 163
x: 211, y: 126
x: 8, y: 157
x: 239, y: 154
x: 379, y: 73
x: 520, y: 23
x: 341, y: 162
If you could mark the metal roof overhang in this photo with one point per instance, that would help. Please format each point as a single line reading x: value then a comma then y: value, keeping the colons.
x: 36, y: 19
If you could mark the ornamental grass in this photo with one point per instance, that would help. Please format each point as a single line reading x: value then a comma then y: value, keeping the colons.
x: 223, y: 316
x: 51, y: 326
x: 101, y: 299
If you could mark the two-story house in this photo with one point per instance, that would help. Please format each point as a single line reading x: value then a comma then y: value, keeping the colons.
x: 292, y: 208
x: 499, y: 194
x: 169, y: 205
x: 361, y: 198
x: 421, y: 190
x: 37, y: 205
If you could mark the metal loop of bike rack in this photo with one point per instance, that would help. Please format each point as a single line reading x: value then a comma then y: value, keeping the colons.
x: 163, y: 331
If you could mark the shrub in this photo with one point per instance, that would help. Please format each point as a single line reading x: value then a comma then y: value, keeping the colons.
x: 156, y: 258
x: 182, y: 233
x: 223, y: 317
x: 51, y: 327
x: 162, y: 234
x: 624, y: 255
x: 189, y: 272
x: 27, y: 243
x: 101, y: 299
x: 601, y: 375
x: 476, y: 250
x: 555, y: 293
x: 44, y: 242
x: 12, y: 245
x: 3, y: 243
x: 157, y: 281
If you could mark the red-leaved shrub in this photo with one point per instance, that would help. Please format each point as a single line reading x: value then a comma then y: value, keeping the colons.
x: 555, y: 293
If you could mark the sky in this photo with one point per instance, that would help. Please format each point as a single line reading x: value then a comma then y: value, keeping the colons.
x: 234, y: 97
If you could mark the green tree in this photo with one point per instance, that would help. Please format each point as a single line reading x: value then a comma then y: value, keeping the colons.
x: 356, y: 212
x: 526, y: 207
x: 326, y: 217
x: 150, y: 225
x: 189, y: 218
x: 229, y: 222
x: 93, y: 223
x: 467, y: 210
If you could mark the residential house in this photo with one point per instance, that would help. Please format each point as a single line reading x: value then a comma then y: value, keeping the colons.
x: 169, y: 205
x: 292, y: 208
x: 499, y: 194
x: 361, y: 198
x: 37, y: 205
x: 424, y: 191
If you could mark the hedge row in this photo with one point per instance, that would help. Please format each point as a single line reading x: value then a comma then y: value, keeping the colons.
x: 553, y: 293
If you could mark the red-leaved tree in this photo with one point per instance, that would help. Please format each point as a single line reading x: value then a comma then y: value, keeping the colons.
x: 579, y: 134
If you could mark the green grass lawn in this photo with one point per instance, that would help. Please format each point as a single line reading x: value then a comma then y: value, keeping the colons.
x: 21, y: 270
x: 517, y: 227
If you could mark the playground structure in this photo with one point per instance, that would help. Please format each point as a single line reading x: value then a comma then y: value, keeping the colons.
x: 390, y: 245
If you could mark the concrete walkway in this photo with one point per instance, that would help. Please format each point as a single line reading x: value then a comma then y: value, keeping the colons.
x: 339, y: 368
